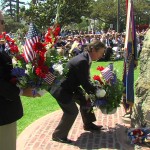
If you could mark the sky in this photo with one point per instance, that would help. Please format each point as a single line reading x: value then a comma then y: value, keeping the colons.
x: 26, y: 1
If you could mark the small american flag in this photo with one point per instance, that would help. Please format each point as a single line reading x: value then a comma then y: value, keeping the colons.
x: 107, y: 73
x: 49, y: 78
x: 31, y: 39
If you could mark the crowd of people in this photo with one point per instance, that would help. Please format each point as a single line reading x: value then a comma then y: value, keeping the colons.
x: 73, y: 43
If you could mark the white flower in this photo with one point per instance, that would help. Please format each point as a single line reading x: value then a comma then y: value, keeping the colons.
x: 97, y: 83
x: 59, y: 68
x: 14, y: 61
x: 100, y: 93
x: 28, y: 66
x: 26, y: 72
x: 48, y: 46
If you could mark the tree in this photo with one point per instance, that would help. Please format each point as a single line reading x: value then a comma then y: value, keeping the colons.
x: 106, y: 11
x: 9, y: 7
x: 71, y: 11
x: 12, y: 7
x: 37, y: 1
x: 11, y: 25
x: 142, y: 11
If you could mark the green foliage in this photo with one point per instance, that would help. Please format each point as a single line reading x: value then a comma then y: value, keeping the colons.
x: 11, y: 25
x: 142, y: 11
x: 44, y: 14
x: 11, y: 8
x: 113, y: 95
x: 106, y: 11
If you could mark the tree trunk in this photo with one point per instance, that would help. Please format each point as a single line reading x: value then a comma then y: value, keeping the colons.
x: 17, y: 13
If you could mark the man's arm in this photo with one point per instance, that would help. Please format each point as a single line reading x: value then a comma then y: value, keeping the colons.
x: 83, y: 74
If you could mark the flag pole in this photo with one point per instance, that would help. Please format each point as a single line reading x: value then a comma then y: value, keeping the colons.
x: 129, y: 60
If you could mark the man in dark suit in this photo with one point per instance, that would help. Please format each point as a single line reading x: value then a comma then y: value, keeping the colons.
x: 69, y: 91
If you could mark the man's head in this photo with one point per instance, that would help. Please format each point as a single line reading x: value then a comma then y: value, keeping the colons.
x: 1, y: 22
x: 96, y: 49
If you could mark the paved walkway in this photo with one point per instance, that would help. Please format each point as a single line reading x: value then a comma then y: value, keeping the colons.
x: 37, y: 136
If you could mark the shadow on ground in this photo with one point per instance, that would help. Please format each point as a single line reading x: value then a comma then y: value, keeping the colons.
x: 117, y: 138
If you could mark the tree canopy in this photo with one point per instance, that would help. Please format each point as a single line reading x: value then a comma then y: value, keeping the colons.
x: 106, y: 11
x: 71, y: 11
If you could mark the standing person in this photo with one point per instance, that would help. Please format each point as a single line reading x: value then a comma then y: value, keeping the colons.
x: 70, y: 91
x: 10, y: 104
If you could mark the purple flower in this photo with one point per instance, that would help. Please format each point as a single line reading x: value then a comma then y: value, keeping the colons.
x: 100, y: 102
x: 18, y: 72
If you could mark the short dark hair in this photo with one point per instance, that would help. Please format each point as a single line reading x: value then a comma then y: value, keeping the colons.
x: 96, y: 44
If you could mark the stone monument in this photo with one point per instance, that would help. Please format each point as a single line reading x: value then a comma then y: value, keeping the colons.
x: 141, y: 111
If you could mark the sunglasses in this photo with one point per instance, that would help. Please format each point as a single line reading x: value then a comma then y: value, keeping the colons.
x: 2, y: 22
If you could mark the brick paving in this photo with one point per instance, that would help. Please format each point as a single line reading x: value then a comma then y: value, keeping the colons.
x: 37, y: 136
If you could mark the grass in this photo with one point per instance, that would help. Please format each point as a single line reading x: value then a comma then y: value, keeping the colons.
x: 35, y: 108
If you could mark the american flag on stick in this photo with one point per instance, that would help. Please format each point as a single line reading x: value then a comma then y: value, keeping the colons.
x: 49, y: 78
x: 107, y: 73
x: 31, y: 39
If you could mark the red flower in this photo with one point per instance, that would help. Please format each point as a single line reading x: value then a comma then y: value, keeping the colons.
x: 39, y: 47
x: 14, y: 49
x: 4, y: 33
x: 57, y: 30
x: 41, y: 61
x: 1, y: 36
x: 41, y: 71
x: 20, y: 57
x: 8, y: 38
x: 48, y: 36
x: 100, y: 68
x: 97, y: 78
x: 52, y: 33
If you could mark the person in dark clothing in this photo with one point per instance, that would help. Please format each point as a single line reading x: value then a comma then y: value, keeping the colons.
x: 109, y: 51
x: 10, y: 104
x: 11, y: 108
x: 70, y: 91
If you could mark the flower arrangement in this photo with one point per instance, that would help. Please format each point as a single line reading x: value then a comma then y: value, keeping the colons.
x: 112, y: 87
x: 139, y: 135
x: 40, y: 70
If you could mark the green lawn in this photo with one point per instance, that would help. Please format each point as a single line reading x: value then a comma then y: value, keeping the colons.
x: 35, y: 108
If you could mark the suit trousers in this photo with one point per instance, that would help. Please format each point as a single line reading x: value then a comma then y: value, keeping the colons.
x: 70, y: 112
x: 8, y: 136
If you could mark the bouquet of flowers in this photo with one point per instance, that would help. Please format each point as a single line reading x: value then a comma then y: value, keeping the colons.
x: 139, y: 135
x: 37, y: 64
x: 113, y: 87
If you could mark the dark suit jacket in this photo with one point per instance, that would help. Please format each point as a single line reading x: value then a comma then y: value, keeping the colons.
x: 10, y: 104
x: 78, y: 75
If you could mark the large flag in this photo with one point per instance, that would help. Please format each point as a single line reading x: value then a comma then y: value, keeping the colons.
x: 31, y: 39
x: 130, y: 57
